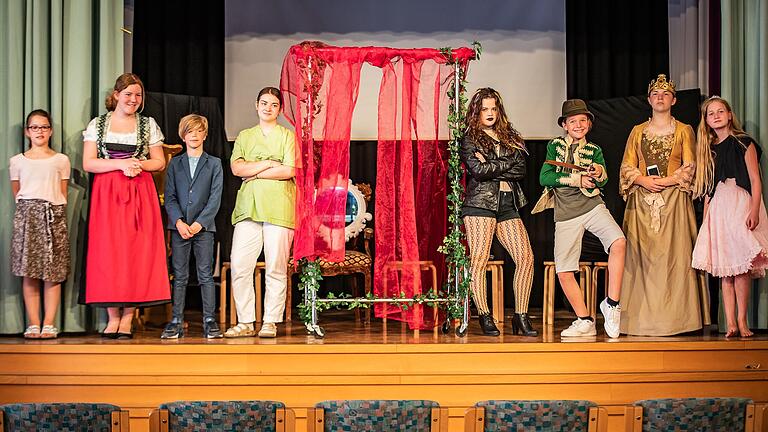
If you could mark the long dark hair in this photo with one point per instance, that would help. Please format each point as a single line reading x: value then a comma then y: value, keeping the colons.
x: 508, y: 135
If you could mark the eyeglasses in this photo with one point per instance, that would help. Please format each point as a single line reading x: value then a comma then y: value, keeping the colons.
x: 36, y: 128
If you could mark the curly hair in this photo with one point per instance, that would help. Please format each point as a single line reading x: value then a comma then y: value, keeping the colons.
x: 507, y: 134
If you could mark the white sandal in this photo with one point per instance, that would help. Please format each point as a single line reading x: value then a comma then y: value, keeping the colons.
x: 268, y: 330
x: 32, y: 332
x: 240, y: 330
x: 49, y: 332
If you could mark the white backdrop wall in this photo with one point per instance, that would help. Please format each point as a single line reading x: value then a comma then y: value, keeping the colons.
x: 523, y: 50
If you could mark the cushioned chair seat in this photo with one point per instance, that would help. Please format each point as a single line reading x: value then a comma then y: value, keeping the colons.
x: 535, y: 415
x: 60, y: 417
x: 377, y: 415
x: 222, y: 415
x: 697, y: 414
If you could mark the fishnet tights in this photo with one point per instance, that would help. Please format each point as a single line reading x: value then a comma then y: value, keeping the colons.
x: 514, y: 238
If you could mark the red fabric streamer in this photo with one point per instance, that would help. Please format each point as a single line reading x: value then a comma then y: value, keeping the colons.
x: 320, y: 86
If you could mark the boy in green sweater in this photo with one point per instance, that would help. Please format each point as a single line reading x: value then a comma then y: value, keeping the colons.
x: 572, y: 178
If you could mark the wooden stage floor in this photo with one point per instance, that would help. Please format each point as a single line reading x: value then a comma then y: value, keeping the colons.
x: 357, y: 361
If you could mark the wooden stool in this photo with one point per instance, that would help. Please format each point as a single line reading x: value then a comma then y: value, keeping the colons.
x: 585, y: 283
x: 260, y: 266
x: 497, y: 289
x: 592, y: 300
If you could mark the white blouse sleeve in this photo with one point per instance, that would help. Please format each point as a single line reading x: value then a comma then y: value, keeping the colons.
x: 64, y: 166
x: 14, y: 168
x: 90, y: 133
x: 155, y: 134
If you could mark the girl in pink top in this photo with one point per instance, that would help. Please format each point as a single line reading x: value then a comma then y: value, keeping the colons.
x: 40, y: 245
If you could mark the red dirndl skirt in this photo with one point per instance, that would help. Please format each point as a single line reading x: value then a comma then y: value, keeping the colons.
x: 126, y: 263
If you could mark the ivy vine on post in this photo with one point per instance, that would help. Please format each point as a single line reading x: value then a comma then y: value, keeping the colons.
x: 453, y: 247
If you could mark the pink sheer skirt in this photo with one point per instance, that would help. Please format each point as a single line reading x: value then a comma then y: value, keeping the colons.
x: 725, y: 246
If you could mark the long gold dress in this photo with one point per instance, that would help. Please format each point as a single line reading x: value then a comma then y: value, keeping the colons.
x: 661, y: 294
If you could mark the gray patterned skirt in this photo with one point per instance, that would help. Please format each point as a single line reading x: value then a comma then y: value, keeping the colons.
x: 40, y: 246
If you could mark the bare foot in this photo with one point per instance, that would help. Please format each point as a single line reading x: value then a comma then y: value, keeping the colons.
x: 744, y: 330
x: 111, y: 327
x: 732, y: 330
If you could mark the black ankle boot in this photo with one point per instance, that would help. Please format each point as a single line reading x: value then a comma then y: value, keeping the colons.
x: 488, y: 326
x: 521, y: 322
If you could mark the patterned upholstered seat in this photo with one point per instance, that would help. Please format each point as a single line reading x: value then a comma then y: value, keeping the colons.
x: 352, y: 260
x: 694, y: 414
x: 533, y: 415
x: 377, y: 415
x: 267, y: 416
x: 63, y: 417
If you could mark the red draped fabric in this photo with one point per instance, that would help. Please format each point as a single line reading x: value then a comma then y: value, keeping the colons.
x: 330, y: 84
x: 320, y: 85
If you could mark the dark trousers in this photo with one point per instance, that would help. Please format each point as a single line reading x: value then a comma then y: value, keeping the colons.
x: 202, y: 245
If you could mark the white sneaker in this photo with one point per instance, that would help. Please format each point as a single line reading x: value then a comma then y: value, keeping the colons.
x: 268, y: 330
x: 580, y: 327
x: 612, y: 315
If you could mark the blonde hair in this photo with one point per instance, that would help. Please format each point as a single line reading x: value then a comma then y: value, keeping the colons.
x: 705, y: 138
x: 121, y: 83
x: 192, y: 122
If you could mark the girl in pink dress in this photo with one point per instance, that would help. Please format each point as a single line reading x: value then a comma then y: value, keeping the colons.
x: 733, y: 239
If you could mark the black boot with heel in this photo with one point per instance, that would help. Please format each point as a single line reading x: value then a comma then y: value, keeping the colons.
x: 488, y: 326
x: 522, y: 323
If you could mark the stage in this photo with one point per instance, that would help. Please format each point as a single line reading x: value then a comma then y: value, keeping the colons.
x: 356, y: 361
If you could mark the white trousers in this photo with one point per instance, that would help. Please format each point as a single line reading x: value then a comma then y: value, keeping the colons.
x: 248, y: 239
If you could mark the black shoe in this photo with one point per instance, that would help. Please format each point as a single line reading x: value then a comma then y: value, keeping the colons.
x: 173, y: 330
x: 522, y: 323
x: 211, y: 330
x: 124, y: 336
x: 105, y: 335
x: 488, y: 326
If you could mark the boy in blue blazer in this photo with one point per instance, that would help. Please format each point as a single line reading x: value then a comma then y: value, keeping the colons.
x: 192, y: 197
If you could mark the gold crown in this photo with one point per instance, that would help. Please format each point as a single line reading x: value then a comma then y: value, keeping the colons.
x: 661, y: 83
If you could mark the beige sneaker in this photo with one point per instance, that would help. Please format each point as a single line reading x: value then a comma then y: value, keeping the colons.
x: 268, y: 330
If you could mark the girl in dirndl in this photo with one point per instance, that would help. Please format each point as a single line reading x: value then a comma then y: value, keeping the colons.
x: 126, y: 262
x: 40, y: 244
x: 733, y: 240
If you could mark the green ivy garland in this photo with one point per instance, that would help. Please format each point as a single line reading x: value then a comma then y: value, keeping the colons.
x: 452, y: 246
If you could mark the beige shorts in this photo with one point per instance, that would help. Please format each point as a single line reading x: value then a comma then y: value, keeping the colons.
x: 568, y: 235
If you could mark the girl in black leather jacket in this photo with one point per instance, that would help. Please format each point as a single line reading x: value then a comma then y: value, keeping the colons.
x: 494, y: 155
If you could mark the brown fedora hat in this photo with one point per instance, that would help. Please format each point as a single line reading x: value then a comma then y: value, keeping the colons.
x: 572, y: 107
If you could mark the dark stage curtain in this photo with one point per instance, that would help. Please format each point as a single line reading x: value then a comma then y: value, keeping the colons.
x: 178, y: 51
x: 614, y: 48
x: 178, y: 47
